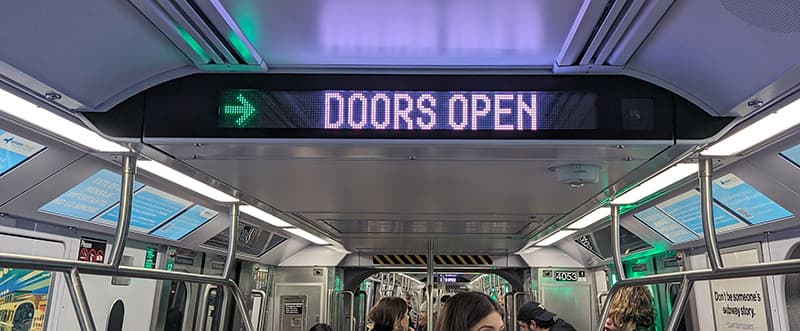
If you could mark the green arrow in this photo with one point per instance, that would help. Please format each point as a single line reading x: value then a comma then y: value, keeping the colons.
x: 245, y: 110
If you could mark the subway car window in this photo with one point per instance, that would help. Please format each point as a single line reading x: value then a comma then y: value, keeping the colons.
x: 116, y: 318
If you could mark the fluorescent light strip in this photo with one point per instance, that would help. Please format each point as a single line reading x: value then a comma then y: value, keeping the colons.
x: 478, y: 278
x: 653, y: 185
x: 411, y: 278
x: 591, y: 218
x: 179, y: 178
x: 307, y: 236
x: 30, y: 113
x: 758, y: 132
x: 264, y: 216
x: 555, y: 237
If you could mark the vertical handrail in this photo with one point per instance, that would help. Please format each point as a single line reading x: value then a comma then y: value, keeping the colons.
x: 352, y: 295
x: 361, y: 294
x: 79, y: 301
x: 680, y: 304
x: 705, y: 174
x: 615, y: 238
x: 238, y: 297
x: 222, y: 312
x: 430, y: 326
x: 262, y: 309
x: 203, y: 310
x: 233, y: 239
x: 607, y: 306
x: 515, y: 306
x: 509, y: 310
x: 125, y: 202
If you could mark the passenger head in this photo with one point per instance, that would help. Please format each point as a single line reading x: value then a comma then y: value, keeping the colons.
x: 533, y: 317
x: 391, y: 313
x: 321, y: 327
x: 470, y: 311
x: 632, y: 309
x: 445, y: 298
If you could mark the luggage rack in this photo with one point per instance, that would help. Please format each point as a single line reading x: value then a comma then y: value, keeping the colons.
x: 73, y: 269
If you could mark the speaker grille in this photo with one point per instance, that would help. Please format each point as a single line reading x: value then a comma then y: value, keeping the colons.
x: 781, y: 16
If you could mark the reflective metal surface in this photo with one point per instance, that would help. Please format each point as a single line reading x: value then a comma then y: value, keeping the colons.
x: 125, y: 203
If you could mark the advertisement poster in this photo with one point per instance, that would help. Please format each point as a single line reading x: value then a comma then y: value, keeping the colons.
x: 23, y: 299
x: 15, y: 150
x: 740, y: 303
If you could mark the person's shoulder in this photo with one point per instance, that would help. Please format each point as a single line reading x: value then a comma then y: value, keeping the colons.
x: 562, y: 325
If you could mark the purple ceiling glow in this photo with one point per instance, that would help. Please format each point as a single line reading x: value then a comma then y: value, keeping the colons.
x: 409, y: 32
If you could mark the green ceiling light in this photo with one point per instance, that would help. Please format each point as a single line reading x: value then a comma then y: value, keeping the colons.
x: 240, y: 46
x: 192, y: 42
x: 247, y: 19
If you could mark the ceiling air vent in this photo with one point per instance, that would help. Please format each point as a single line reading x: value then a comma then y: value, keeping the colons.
x: 606, y: 33
x: 204, y: 31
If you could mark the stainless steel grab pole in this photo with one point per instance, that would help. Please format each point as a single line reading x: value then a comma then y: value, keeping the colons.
x: 79, y: 301
x: 352, y: 308
x: 61, y: 265
x: 612, y: 292
x: 705, y: 173
x: 680, y: 304
x: 125, y: 202
x: 615, y: 238
x: 430, y: 326
x: 509, y: 309
x: 238, y: 297
x: 233, y: 239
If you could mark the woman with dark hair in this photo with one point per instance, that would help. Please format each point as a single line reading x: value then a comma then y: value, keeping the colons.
x: 321, y: 327
x: 471, y: 311
x: 390, y: 314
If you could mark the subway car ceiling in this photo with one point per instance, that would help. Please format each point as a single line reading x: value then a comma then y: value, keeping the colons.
x: 480, y: 191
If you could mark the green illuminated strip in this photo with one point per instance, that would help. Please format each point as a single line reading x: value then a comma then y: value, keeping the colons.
x: 240, y: 46
x: 192, y: 42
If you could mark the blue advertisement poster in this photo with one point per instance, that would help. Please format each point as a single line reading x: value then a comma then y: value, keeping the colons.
x: 14, y: 150
x: 185, y: 223
x: 685, y: 208
x: 792, y: 154
x: 23, y: 299
x: 89, y: 198
x: 747, y: 202
x: 665, y: 225
x: 150, y: 209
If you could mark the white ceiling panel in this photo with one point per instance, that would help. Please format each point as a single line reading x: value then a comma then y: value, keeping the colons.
x: 88, y: 50
x: 305, y: 33
x: 722, y: 52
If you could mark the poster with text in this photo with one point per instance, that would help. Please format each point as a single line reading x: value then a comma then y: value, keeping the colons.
x: 23, y: 299
x: 740, y: 303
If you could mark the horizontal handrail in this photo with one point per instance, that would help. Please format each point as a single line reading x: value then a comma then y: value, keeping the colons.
x: 31, y: 262
x: 749, y: 270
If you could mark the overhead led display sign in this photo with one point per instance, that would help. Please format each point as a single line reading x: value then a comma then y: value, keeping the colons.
x: 14, y: 150
x: 408, y: 110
